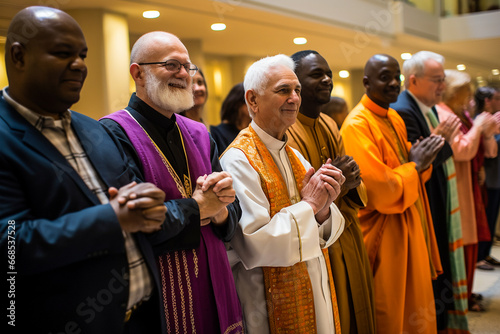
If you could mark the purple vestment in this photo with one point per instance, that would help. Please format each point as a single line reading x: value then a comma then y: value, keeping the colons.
x: 198, y: 291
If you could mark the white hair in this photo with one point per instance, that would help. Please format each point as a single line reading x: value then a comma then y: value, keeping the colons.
x: 165, y: 97
x: 257, y: 75
x: 454, y: 81
x: 416, y: 64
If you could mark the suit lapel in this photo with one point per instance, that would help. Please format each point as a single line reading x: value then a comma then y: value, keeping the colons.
x: 37, y: 141
x: 418, y: 114
x: 95, y: 141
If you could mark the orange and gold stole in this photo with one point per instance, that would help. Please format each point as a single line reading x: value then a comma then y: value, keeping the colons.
x: 289, y: 297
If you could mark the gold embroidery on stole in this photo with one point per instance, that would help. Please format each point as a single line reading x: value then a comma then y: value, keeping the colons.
x: 185, y: 189
x: 289, y: 297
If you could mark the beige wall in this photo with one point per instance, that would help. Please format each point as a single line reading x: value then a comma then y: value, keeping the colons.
x: 218, y: 75
x: 222, y: 73
x: 357, y: 88
x: 117, y: 60
x: 3, y: 73
x: 426, y: 5
x: 106, y: 88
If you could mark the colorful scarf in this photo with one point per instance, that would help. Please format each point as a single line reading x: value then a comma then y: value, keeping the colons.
x: 289, y: 297
x: 457, y: 318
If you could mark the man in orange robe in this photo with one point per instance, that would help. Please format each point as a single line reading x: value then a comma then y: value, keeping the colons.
x: 396, y: 223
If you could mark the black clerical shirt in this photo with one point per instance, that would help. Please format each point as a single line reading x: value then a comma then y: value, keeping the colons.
x: 183, y: 219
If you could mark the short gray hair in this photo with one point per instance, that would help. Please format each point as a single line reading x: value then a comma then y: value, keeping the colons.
x: 416, y: 64
x: 257, y: 75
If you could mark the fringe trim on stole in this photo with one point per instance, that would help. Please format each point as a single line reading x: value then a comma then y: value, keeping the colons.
x: 289, y: 297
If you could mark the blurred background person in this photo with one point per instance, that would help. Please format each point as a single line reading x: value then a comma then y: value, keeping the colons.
x: 474, y: 142
x: 200, y: 94
x: 488, y: 99
x: 336, y: 109
x: 234, y: 118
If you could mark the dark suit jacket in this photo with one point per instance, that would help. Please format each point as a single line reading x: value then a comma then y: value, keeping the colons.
x: 437, y: 189
x: 70, y: 269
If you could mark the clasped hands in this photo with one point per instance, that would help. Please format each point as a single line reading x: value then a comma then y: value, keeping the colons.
x: 489, y: 123
x: 448, y: 128
x: 213, y: 193
x: 321, y: 188
x: 139, y: 207
x: 350, y: 170
x: 425, y: 150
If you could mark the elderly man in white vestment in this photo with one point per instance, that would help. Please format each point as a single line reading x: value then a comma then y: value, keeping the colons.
x: 278, y: 254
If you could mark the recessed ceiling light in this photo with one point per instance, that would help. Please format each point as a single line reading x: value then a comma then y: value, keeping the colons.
x: 218, y: 26
x: 344, y: 74
x: 461, y: 67
x: 495, y: 71
x: 406, y: 56
x: 300, y: 40
x: 150, y: 14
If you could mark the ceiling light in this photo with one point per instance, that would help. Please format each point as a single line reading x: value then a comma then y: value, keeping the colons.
x: 406, y: 56
x: 461, y: 67
x: 150, y: 14
x: 300, y: 40
x: 344, y: 74
x: 218, y: 26
x: 495, y: 71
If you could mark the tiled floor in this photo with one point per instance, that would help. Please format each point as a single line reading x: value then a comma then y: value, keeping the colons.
x: 487, y: 283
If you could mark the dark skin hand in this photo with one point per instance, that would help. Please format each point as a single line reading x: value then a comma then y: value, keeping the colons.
x: 139, y: 207
x: 424, y: 151
x: 350, y: 170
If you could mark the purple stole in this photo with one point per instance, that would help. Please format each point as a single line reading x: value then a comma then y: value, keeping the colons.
x: 198, y: 291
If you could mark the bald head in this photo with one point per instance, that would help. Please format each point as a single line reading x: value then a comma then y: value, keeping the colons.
x: 382, y: 79
x: 150, y: 45
x: 29, y: 23
x: 44, y: 56
x: 167, y: 89
x: 376, y: 61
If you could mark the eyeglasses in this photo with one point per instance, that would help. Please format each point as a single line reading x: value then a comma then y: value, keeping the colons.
x: 436, y: 80
x: 174, y: 66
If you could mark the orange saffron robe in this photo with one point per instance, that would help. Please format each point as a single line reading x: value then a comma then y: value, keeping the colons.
x: 403, y: 261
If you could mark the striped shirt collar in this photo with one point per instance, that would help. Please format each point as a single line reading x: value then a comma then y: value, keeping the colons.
x: 35, y: 119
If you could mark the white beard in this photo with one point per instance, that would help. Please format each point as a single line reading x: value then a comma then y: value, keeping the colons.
x: 166, y: 97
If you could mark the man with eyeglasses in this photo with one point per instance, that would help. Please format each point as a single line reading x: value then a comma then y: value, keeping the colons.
x: 424, y: 83
x: 179, y: 156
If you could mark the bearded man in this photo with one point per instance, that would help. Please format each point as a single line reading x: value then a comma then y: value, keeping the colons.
x: 180, y: 157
